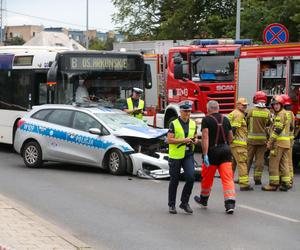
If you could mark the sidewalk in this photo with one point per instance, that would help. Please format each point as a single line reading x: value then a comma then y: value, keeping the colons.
x: 21, y: 229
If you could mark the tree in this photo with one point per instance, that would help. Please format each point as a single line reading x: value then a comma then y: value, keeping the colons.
x: 188, y: 19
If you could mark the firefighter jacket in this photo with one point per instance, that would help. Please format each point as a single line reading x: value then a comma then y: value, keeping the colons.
x: 177, y: 151
x: 140, y: 106
x: 280, y: 130
x: 257, y: 120
x: 239, y: 127
x: 291, y: 118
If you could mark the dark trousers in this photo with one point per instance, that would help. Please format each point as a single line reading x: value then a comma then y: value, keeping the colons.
x: 187, y: 163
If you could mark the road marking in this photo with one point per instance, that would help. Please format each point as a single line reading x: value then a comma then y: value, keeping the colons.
x: 269, y: 213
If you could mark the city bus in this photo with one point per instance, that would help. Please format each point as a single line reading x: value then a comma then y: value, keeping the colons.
x: 38, y: 75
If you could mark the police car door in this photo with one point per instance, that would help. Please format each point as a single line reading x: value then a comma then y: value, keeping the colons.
x: 84, y: 146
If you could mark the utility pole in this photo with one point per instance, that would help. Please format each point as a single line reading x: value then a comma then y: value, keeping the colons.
x: 1, y: 21
x: 87, y: 25
x: 238, y: 19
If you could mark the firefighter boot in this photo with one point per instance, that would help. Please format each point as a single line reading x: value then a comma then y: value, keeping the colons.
x: 284, y: 187
x: 246, y: 188
x: 257, y: 182
x: 201, y: 200
x: 269, y: 187
x: 229, y: 206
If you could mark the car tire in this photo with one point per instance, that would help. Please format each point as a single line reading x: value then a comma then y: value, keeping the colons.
x: 32, y: 155
x: 116, y: 162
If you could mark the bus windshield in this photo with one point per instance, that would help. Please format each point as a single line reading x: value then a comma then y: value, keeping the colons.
x: 105, y: 77
x: 212, y: 66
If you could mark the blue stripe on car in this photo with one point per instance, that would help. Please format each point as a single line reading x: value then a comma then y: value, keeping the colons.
x: 78, y: 139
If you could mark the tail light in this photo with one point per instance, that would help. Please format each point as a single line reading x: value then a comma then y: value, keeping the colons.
x: 20, y: 123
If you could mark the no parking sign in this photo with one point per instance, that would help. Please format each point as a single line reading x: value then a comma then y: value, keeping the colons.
x: 276, y: 33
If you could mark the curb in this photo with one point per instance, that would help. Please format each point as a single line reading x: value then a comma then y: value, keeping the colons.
x: 78, y: 244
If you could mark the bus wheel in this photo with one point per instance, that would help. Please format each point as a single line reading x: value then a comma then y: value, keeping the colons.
x: 116, y: 162
x: 32, y: 155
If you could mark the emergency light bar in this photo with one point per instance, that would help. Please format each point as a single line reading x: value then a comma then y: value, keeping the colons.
x: 204, y: 42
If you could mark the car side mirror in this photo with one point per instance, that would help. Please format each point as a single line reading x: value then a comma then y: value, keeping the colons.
x: 95, y: 131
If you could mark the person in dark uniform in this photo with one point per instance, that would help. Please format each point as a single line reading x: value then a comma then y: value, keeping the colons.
x: 216, y: 137
x: 135, y: 105
x: 181, y: 137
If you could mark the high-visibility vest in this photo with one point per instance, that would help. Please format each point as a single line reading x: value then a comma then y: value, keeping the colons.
x: 237, y: 119
x: 177, y: 151
x: 140, y: 106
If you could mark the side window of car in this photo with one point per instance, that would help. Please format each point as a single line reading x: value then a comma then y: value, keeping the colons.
x: 42, y: 114
x: 84, y: 122
x: 61, y: 117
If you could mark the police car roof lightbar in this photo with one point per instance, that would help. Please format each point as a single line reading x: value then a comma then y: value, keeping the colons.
x: 204, y: 42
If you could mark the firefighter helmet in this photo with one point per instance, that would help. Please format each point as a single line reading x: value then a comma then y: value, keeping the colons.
x: 260, y: 96
x: 277, y: 99
x: 287, y: 100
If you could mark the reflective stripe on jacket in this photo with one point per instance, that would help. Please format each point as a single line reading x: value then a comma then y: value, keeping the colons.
x: 281, y: 122
x: 177, y: 151
x: 140, y: 106
x: 257, y: 119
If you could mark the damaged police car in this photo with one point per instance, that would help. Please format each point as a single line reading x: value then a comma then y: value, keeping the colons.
x: 94, y: 136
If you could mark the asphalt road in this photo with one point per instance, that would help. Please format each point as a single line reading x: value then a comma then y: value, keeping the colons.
x: 123, y: 212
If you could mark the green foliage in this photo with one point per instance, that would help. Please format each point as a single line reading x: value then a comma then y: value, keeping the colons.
x: 96, y: 44
x: 15, y: 41
x: 187, y: 19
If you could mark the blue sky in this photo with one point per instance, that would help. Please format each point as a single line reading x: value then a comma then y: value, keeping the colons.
x: 70, y: 13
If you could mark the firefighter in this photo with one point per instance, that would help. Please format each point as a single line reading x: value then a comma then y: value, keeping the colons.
x: 258, y: 118
x: 216, y: 136
x: 291, y: 117
x: 279, y: 145
x: 181, y: 137
x: 135, y: 105
x: 239, y: 144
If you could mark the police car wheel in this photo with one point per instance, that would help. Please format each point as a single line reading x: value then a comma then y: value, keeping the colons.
x: 32, y: 155
x: 116, y: 162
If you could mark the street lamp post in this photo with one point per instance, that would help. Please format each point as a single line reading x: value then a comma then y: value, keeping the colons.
x: 87, y: 25
x: 238, y: 19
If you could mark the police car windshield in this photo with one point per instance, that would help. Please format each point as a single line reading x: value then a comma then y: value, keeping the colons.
x: 118, y: 121
x: 217, y: 67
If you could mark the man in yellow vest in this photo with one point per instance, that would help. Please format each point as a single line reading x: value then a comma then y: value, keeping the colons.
x: 239, y: 143
x: 181, y: 137
x: 135, y: 105
x: 279, y: 145
x: 291, y: 117
x: 258, y: 118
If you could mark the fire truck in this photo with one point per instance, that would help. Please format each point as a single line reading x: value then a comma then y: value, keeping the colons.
x: 274, y: 69
x: 201, y: 71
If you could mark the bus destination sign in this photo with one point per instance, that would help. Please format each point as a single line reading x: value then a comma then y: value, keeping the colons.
x: 98, y: 63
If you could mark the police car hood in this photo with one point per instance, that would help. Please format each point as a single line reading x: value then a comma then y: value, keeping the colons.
x: 140, y: 132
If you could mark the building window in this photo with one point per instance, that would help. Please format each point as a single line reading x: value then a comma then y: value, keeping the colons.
x: 33, y: 33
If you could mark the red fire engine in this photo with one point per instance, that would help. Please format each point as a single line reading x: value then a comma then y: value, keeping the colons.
x: 274, y: 69
x: 203, y: 71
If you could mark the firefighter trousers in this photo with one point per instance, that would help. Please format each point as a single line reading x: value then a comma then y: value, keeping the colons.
x: 291, y: 168
x: 257, y: 152
x: 279, y: 166
x: 240, y: 155
x: 226, y: 174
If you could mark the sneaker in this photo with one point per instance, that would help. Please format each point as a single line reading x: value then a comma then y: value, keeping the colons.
x: 172, y: 210
x: 229, y: 206
x: 257, y: 182
x: 186, y: 208
x: 246, y: 188
x: 201, y: 200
